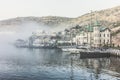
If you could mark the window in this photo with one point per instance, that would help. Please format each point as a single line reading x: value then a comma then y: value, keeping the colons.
x: 100, y: 40
x: 100, y: 35
x: 95, y: 41
x: 107, y: 35
x: 104, y: 41
x: 104, y: 35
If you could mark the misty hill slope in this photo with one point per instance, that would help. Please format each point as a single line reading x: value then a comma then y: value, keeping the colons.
x: 108, y: 17
x: 51, y: 21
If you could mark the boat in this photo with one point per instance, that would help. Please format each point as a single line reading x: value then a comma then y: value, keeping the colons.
x: 75, y: 48
x: 67, y: 48
x: 70, y: 49
x: 83, y: 46
x: 43, y: 45
x: 21, y: 43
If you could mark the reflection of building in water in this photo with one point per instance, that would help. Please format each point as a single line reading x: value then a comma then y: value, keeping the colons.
x: 97, y: 68
x: 108, y: 66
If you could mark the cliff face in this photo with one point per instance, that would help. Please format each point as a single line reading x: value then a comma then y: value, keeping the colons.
x: 108, y: 17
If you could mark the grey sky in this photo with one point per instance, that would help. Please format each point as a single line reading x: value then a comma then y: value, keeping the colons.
x: 66, y: 8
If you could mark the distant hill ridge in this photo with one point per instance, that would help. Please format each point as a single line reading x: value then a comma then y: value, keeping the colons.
x: 107, y: 17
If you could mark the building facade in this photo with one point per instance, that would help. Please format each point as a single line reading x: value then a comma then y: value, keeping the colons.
x: 95, y: 36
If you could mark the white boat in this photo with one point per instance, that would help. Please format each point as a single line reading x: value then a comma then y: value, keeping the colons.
x: 83, y: 46
x: 21, y: 43
x: 75, y: 49
x: 69, y: 49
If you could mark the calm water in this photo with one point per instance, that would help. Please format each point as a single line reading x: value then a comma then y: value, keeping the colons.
x: 45, y: 64
x: 48, y: 64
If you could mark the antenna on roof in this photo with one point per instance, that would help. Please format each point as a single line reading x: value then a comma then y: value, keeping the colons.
x: 97, y: 21
x: 96, y: 17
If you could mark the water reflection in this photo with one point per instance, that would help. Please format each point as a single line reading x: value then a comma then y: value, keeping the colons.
x: 49, y: 64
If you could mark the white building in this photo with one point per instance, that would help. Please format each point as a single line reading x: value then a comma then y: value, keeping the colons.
x: 42, y: 38
x: 81, y: 38
x: 95, y: 36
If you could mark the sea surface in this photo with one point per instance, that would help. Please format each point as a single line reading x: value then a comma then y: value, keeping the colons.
x: 53, y: 64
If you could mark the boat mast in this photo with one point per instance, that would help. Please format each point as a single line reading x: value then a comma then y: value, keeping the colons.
x: 90, y: 26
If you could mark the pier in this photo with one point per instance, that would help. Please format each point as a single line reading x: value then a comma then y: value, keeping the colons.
x: 98, y: 54
x: 114, y: 52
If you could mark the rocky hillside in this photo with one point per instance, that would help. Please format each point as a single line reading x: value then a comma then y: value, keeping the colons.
x: 48, y: 20
x: 108, y: 17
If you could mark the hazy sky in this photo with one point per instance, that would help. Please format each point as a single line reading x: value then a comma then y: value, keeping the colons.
x: 66, y: 8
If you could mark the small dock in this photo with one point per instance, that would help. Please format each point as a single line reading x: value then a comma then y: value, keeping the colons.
x: 92, y: 54
x: 98, y: 54
x: 114, y: 52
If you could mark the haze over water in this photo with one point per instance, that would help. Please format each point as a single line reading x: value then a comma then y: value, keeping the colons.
x: 51, y: 64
